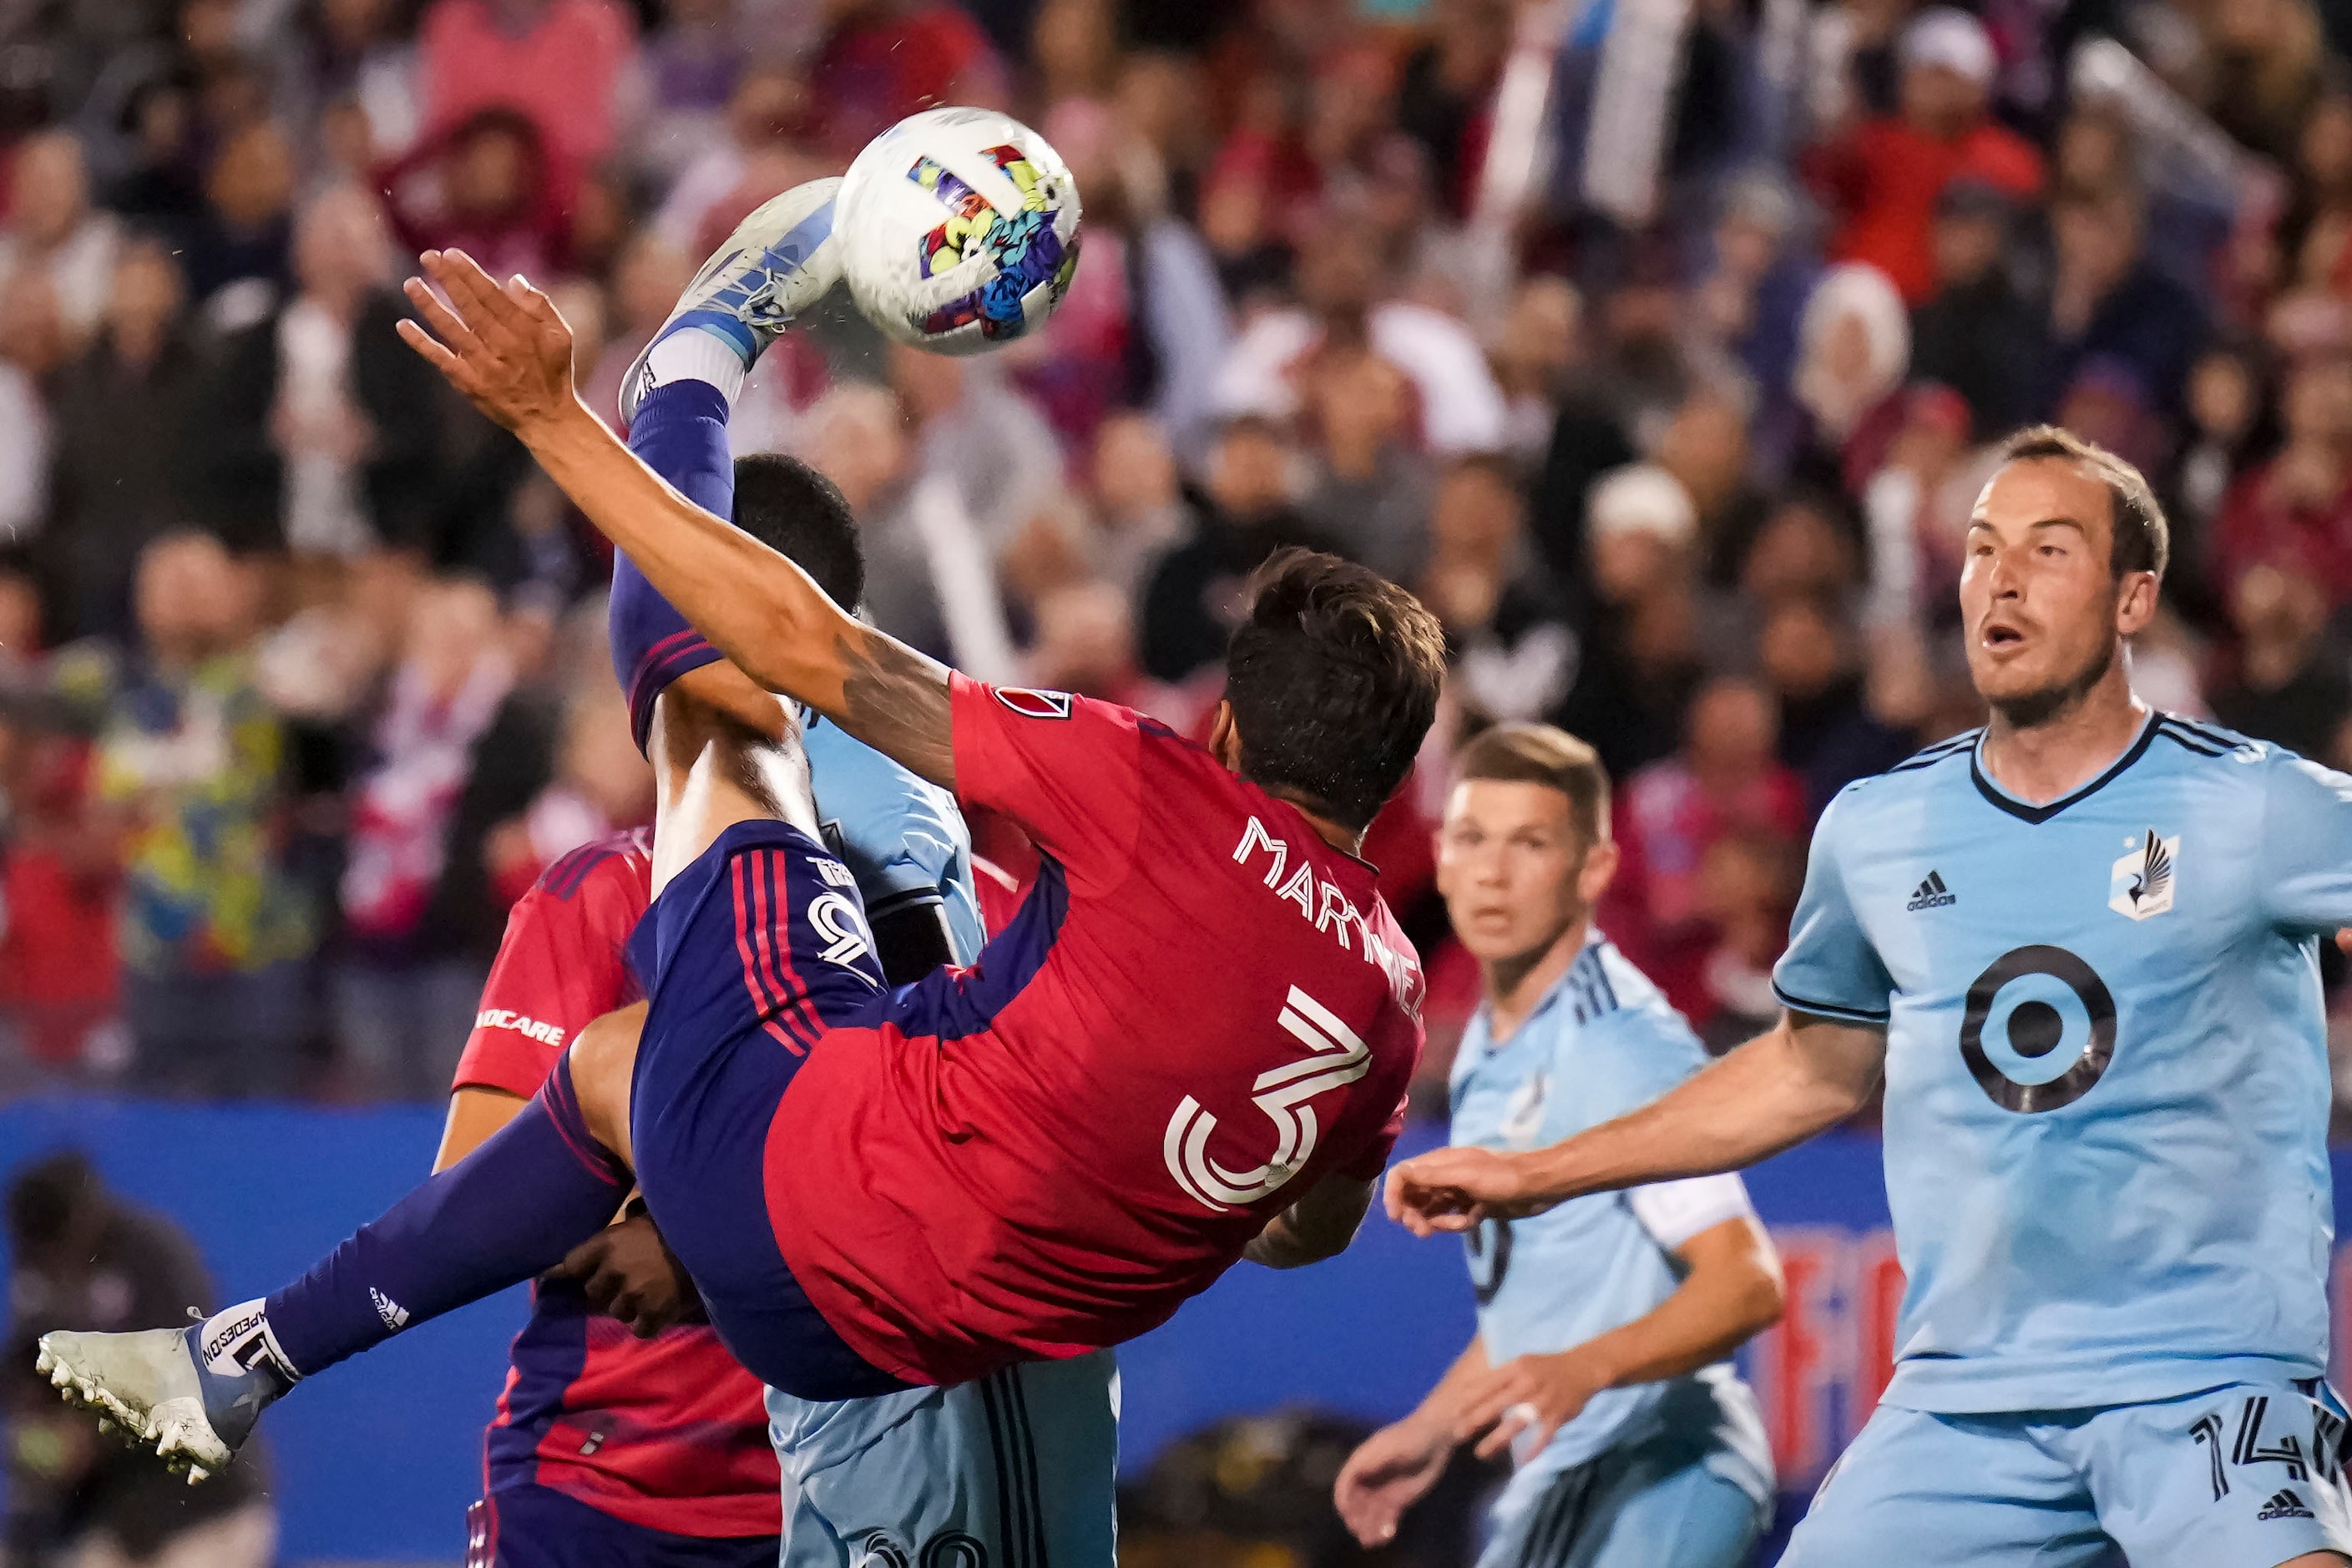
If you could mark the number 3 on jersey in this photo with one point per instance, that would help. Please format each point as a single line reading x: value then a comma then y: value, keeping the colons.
x: 1336, y: 1058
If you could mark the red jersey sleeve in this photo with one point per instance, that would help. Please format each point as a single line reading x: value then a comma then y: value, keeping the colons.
x: 561, y: 964
x: 1067, y: 771
x: 1374, y: 1157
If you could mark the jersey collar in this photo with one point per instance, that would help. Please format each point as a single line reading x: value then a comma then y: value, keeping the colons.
x: 2040, y: 814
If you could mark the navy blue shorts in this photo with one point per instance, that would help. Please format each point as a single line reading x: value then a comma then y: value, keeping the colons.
x: 747, y: 957
x: 533, y: 1527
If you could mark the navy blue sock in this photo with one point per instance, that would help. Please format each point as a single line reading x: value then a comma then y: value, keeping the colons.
x: 536, y: 1188
x: 680, y: 432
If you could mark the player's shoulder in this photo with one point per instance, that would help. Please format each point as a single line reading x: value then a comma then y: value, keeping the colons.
x: 1604, y: 992
x: 1926, y: 767
x: 619, y: 863
x: 2196, y: 741
x: 1924, y: 773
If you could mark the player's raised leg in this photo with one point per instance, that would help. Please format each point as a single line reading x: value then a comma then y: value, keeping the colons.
x: 537, y: 1187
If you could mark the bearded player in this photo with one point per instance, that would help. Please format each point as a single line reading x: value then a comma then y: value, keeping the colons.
x: 2079, y: 949
x: 1191, y: 1044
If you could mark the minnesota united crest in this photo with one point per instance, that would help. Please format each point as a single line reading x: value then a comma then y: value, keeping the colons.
x: 2141, y: 884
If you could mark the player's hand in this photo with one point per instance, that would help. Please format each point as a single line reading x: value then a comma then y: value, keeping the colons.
x: 1522, y: 1403
x: 628, y: 1271
x: 504, y: 346
x: 1454, y: 1189
x: 2344, y: 940
x: 1387, y: 1474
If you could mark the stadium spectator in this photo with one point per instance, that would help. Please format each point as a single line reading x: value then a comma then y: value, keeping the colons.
x: 881, y: 61
x: 559, y: 65
x: 487, y: 185
x: 1347, y: 291
x: 2290, y: 687
x: 1639, y: 658
x: 125, y: 440
x: 324, y: 432
x: 1139, y: 507
x: 52, y: 231
x: 1976, y: 333
x: 2297, y: 508
x: 1195, y: 597
x: 1506, y: 629
x: 1726, y: 783
x: 31, y: 344
x: 2108, y: 301
x: 237, y: 250
x: 1853, y: 351
x: 403, y: 999
x: 80, y: 1254
x: 190, y: 760
x: 1882, y: 180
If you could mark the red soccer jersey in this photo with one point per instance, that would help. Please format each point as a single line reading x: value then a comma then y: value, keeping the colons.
x: 667, y: 1432
x: 1200, y: 1009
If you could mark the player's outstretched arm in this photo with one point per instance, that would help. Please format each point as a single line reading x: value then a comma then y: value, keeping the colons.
x: 1319, y: 1225
x: 1802, y: 1076
x: 508, y: 349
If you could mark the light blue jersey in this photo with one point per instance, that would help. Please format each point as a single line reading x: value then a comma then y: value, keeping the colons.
x: 900, y: 836
x: 1018, y: 1470
x: 1603, y: 1041
x: 2106, y: 1064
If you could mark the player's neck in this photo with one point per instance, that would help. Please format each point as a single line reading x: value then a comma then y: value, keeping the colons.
x: 1346, y: 840
x: 1514, y: 986
x: 2048, y: 760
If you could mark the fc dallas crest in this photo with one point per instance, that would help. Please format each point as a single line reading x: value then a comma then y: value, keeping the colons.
x: 1031, y: 703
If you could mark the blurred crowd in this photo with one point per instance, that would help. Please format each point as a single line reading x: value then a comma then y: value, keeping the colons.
x: 1657, y: 345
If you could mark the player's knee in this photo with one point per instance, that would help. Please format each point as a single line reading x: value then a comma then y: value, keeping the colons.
x: 603, y: 1060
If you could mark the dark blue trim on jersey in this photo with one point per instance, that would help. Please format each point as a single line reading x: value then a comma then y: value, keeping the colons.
x: 2213, y: 734
x: 951, y: 1005
x: 1827, y: 1010
x: 2190, y: 740
x: 2037, y: 814
x: 1589, y: 980
x: 1938, y: 753
x: 564, y: 878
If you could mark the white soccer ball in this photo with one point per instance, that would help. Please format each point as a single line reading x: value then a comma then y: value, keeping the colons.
x: 958, y: 230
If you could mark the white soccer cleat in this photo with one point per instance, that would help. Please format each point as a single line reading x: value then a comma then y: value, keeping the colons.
x: 146, y: 1387
x: 779, y: 262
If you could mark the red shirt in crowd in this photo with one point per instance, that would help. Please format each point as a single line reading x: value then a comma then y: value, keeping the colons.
x: 872, y: 72
x: 1665, y: 824
x: 1883, y: 182
x: 667, y: 1432
x: 2260, y: 523
x: 561, y: 71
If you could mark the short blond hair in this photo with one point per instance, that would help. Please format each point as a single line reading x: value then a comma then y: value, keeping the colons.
x: 1542, y: 754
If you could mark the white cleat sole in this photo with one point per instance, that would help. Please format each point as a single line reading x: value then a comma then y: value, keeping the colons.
x: 182, y: 1437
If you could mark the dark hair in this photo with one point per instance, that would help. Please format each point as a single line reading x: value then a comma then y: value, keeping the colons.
x: 1333, y: 680
x: 2140, y: 539
x: 1547, y: 755
x: 795, y: 511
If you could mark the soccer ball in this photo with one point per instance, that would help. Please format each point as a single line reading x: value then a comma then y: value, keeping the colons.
x: 958, y: 230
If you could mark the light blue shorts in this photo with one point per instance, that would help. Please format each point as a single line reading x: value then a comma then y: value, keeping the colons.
x: 1657, y: 1504
x: 2245, y: 1475
x: 1017, y: 1471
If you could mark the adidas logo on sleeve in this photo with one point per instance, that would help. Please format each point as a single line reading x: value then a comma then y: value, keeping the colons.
x: 1931, y: 894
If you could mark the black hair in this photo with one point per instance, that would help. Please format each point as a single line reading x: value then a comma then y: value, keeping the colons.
x: 2141, y: 540
x: 1333, y: 680
x: 795, y: 511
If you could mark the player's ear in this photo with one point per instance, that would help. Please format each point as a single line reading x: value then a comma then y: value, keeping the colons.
x: 2135, y: 603
x: 1600, y: 869
x: 1225, y: 739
